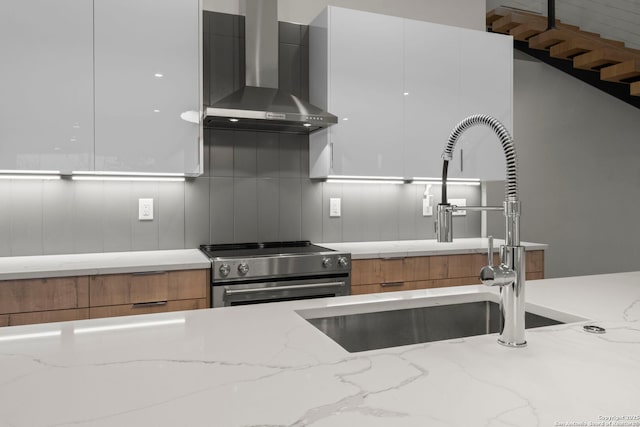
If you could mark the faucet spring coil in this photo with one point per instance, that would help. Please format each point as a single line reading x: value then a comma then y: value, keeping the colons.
x: 511, y: 186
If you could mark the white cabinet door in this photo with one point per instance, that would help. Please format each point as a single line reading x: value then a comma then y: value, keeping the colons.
x: 147, y: 61
x: 399, y: 97
x: 46, y: 85
x: 452, y: 73
x: 486, y: 88
x: 432, y: 77
x: 364, y: 88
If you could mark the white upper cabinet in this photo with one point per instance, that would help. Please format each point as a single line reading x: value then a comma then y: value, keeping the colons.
x: 357, y: 75
x: 486, y: 88
x: 403, y: 85
x: 432, y: 77
x: 46, y: 85
x: 100, y: 85
x: 147, y: 86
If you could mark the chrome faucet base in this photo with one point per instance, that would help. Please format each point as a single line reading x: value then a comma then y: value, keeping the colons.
x: 512, y: 344
x: 509, y: 274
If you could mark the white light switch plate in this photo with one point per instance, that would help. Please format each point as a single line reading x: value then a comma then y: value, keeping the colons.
x: 145, y: 209
x: 458, y: 202
x: 334, y: 207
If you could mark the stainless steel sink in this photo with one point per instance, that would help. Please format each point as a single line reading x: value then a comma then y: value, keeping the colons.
x: 382, y: 329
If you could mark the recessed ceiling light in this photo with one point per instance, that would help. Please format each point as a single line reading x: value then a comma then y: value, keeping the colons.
x: 233, y: 120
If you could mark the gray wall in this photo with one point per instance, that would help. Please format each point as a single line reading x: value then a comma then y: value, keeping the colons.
x: 579, y: 172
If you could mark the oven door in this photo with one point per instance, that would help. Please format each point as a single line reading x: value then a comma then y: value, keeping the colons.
x: 223, y: 295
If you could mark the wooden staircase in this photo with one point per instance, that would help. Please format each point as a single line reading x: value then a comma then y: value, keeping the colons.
x: 588, y: 55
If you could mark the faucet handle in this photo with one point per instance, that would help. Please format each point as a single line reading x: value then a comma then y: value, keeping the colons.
x: 490, y: 252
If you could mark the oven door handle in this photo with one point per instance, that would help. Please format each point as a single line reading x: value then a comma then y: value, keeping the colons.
x: 284, y: 288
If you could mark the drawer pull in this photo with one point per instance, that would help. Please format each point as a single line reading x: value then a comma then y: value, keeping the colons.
x: 388, y: 285
x: 148, y: 304
x: 147, y: 273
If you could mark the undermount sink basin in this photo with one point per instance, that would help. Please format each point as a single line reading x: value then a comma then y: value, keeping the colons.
x: 438, y: 321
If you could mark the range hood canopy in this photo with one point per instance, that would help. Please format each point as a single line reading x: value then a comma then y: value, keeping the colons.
x: 261, y: 105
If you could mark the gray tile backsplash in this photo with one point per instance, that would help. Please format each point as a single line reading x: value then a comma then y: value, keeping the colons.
x: 255, y: 186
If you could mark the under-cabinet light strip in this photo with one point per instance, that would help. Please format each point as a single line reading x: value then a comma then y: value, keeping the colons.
x: 126, y: 178
x: 450, y: 181
x: 145, y: 174
x: 355, y: 179
x: 28, y: 176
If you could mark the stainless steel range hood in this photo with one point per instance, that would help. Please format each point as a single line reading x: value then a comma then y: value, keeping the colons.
x: 261, y: 105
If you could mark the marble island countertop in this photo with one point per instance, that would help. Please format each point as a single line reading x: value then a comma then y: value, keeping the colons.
x: 265, y: 365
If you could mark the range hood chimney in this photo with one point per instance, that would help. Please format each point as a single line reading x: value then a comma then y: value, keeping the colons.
x: 260, y: 105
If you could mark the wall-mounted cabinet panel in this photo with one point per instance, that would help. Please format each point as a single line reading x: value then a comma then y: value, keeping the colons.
x: 147, y: 76
x: 452, y: 73
x: 432, y: 76
x: 486, y: 62
x: 356, y: 74
x: 399, y: 87
x: 46, y: 85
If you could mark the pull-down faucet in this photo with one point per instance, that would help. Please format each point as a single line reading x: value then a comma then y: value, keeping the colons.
x: 509, y: 274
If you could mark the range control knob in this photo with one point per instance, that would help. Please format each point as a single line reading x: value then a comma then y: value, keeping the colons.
x: 224, y: 270
x: 243, y: 268
x: 327, y: 263
x: 343, y: 262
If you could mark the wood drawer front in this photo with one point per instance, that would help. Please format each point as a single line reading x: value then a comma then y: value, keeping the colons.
x: 372, y: 271
x: 118, y: 289
x: 132, y: 309
x: 417, y: 268
x: 188, y: 284
x: 58, y: 293
x: 534, y: 275
x: 47, y: 316
x: 535, y: 261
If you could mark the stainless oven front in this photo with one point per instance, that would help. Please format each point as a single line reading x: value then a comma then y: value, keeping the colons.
x: 234, y: 293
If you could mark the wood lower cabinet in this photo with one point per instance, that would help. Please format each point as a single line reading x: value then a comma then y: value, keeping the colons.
x: 410, y: 273
x: 143, y: 293
x: 30, y: 301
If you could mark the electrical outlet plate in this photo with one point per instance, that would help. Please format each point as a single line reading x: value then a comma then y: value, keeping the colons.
x: 145, y: 209
x: 334, y: 207
x: 458, y: 202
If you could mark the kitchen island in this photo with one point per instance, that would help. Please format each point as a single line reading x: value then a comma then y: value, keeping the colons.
x: 265, y: 365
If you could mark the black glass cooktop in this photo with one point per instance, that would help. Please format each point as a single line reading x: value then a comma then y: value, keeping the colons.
x: 245, y: 250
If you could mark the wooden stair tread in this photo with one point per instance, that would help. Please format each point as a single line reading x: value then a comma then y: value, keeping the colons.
x: 622, y: 71
x: 635, y: 89
x: 526, y: 31
x: 549, y: 38
x: 576, y: 46
x: 603, y: 56
x: 492, y: 16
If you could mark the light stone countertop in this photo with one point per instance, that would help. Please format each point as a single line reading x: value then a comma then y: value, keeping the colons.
x: 39, y: 266
x: 265, y: 365
x: 406, y: 248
